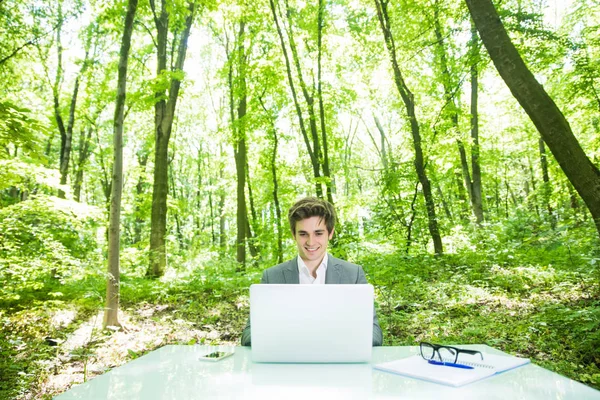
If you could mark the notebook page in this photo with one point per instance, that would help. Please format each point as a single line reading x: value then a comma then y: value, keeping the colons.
x: 417, y: 367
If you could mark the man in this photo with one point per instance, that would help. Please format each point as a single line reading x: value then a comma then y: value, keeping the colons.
x: 312, y: 222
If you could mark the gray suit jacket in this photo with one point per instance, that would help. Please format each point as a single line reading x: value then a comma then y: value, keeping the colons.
x: 338, y: 272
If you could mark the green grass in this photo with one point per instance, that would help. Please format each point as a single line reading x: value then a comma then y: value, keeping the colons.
x: 547, y: 311
x: 533, y: 298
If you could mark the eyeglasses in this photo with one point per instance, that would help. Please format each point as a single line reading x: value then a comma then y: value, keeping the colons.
x: 430, y: 351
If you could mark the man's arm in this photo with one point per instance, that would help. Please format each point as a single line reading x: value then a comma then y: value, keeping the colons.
x: 246, y: 336
x: 377, y: 334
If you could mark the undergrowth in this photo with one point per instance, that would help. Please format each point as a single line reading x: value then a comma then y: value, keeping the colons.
x: 529, y: 296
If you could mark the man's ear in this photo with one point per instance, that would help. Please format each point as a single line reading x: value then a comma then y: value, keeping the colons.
x: 331, y: 233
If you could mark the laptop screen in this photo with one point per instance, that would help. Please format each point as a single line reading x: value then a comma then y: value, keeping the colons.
x: 311, y: 323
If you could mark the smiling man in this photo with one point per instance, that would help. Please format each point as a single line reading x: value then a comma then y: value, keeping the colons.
x: 312, y: 222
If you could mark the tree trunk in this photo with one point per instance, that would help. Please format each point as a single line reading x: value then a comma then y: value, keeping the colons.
x: 450, y: 88
x: 240, y: 166
x: 56, y: 97
x: 382, y: 151
x: 408, y: 99
x: 326, y: 170
x: 462, y: 196
x: 142, y: 157
x: 163, y: 122
x: 178, y: 230
x: 113, y: 277
x: 237, y: 97
x: 313, y: 154
x: 542, y: 110
x: 252, y: 225
x: 84, y: 154
x: 66, y: 133
x: 273, y: 165
x: 477, y: 200
x: 276, y: 198
x: 67, y: 136
x: 105, y: 178
x: 546, y: 186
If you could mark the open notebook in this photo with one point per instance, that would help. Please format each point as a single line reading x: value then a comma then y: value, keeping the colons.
x: 417, y: 367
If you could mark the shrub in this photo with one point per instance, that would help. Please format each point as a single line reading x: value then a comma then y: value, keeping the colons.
x: 44, y: 239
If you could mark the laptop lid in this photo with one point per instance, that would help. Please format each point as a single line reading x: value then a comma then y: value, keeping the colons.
x: 311, y: 323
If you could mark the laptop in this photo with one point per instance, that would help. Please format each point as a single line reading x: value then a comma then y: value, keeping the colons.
x: 311, y: 323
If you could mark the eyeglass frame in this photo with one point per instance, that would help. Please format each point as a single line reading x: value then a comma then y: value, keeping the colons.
x: 456, y: 350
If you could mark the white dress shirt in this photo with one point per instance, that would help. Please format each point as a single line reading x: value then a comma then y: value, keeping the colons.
x: 305, y: 276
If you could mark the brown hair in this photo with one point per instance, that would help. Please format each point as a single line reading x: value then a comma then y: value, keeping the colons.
x: 312, y: 207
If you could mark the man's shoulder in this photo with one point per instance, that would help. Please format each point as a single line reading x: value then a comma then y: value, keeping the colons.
x: 343, y: 263
x: 284, y: 265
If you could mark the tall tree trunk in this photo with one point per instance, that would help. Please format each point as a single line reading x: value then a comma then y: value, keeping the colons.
x: 273, y: 165
x: 67, y: 135
x: 252, y: 225
x: 163, y: 121
x: 326, y: 170
x: 382, y: 151
x: 56, y: 96
x: 113, y: 277
x: 310, y: 103
x: 313, y: 154
x: 477, y: 200
x: 242, y: 211
x: 106, y: 177
x: 84, y: 154
x: 142, y: 157
x: 462, y: 196
x: 276, y: 198
x: 237, y: 97
x: 542, y: 110
x: 450, y: 89
x: 221, y: 209
x: 408, y: 99
x: 174, y: 195
x: 546, y: 187
x: 349, y: 142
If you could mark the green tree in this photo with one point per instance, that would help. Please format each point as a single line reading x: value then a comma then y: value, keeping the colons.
x: 540, y: 107
x: 167, y: 80
x: 114, y: 231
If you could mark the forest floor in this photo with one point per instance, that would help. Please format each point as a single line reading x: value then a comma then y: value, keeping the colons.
x: 535, y: 300
x: 144, y: 329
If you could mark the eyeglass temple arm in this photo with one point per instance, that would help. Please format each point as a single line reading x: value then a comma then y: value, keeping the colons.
x: 472, y: 352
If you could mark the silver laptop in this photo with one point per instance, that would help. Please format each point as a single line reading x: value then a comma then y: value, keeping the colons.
x: 311, y: 323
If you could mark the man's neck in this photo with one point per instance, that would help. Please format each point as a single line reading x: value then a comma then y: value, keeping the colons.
x: 313, y: 265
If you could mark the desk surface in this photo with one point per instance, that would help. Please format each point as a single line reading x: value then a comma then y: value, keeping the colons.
x: 174, y: 372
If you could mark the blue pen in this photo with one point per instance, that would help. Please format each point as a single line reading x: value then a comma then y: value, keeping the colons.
x: 449, y: 364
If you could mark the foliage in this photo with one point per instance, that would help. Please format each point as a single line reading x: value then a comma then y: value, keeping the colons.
x: 525, y: 281
x: 19, y: 129
x: 537, y: 296
x: 44, y: 239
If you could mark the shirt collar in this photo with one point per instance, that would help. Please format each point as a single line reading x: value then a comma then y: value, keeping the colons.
x: 302, y: 268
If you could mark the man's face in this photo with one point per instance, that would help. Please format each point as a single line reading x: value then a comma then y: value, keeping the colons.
x: 312, y: 239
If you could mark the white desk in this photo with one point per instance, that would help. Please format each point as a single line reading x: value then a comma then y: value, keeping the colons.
x: 174, y: 372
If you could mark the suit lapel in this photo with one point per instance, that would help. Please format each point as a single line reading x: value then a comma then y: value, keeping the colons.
x: 333, y: 275
x: 290, y: 273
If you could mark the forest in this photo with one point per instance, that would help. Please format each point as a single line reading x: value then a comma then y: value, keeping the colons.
x: 150, y: 151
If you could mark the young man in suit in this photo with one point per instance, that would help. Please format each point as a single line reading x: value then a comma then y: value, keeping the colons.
x: 312, y: 222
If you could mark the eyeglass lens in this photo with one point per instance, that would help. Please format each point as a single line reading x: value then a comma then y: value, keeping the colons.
x: 447, y: 354
x: 427, y: 351
x: 430, y: 352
